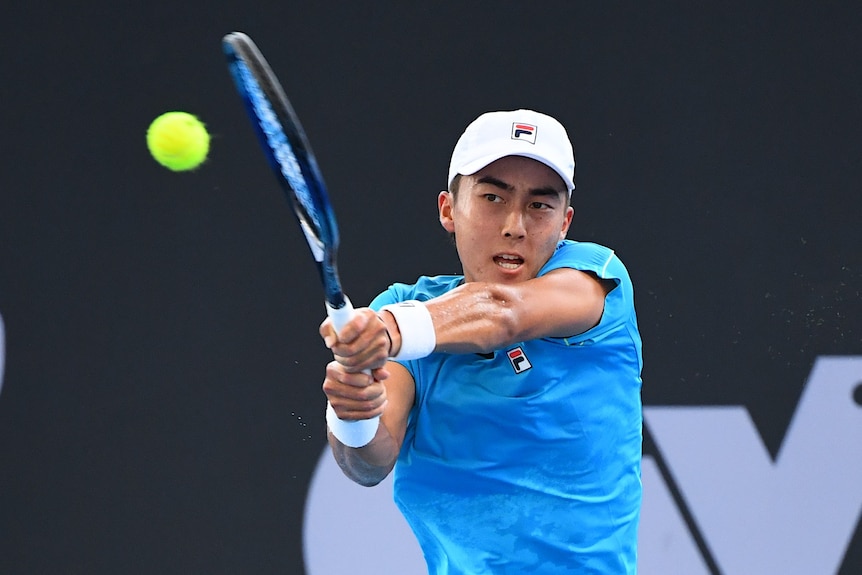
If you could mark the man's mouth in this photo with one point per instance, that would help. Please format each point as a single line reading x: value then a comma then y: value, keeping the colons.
x: 508, y: 262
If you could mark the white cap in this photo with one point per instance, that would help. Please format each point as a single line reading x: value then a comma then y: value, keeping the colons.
x: 495, y: 135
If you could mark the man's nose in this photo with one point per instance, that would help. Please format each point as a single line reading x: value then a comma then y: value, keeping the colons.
x: 514, y: 225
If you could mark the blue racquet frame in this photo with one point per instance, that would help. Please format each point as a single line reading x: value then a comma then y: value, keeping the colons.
x: 289, y: 153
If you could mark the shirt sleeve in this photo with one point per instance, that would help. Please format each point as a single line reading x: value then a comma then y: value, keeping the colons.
x: 602, y: 261
x: 385, y: 298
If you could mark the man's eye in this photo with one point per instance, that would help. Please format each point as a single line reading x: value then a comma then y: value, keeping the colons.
x: 492, y: 197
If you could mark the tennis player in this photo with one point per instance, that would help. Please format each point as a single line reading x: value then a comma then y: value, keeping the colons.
x: 509, y: 396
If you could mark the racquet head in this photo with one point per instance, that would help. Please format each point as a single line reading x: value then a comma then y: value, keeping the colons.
x: 289, y: 154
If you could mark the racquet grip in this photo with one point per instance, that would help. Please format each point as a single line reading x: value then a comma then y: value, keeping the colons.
x: 350, y: 433
x: 340, y: 316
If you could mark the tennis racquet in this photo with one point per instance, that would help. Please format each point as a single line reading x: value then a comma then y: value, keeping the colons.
x: 286, y: 147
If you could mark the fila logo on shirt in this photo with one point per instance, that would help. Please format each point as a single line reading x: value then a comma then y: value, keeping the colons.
x: 721, y: 503
x: 525, y: 132
x: 519, y: 360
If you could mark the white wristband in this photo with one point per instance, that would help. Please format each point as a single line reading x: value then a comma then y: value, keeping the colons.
x: 417, y: 330
x: 351, y: 433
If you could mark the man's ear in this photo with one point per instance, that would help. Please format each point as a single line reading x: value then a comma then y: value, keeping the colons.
x: 567, y: 223
x: 444, y: 207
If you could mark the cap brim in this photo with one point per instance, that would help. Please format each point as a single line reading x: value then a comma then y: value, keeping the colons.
x: 474, y: 166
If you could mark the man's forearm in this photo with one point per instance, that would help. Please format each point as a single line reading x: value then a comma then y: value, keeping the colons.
x: 368, y: 465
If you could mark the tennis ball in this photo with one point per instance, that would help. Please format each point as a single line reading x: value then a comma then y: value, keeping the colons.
x: 178, y: 141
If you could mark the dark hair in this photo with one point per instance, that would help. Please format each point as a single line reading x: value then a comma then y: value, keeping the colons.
x: 453, y: 189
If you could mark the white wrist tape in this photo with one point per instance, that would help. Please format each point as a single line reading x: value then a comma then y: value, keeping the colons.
x: 351, y: 433
x: 417, y: 330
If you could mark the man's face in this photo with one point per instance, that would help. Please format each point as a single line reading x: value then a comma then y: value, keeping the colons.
x: 507, y: 219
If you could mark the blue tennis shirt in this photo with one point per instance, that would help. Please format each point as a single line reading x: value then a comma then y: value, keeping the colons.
x: 528, y: 461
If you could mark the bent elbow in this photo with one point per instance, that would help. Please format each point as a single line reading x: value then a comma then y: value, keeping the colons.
x: 357, y: 469
x: 368, y: 481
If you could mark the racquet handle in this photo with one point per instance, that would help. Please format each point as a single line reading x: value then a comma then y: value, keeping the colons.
x: 340, y: 316
x: 362, y: 431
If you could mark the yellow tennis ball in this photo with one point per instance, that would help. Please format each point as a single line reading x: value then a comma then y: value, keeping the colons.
x: 178, y: 141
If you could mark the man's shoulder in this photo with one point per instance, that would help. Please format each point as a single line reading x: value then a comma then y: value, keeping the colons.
x: 585, y: 256
x: 577, y: 248
x: 425, y: 288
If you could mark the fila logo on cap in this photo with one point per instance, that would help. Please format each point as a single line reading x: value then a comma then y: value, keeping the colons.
x: 524, y: 132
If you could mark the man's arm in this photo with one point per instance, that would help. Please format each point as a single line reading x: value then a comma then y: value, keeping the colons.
x: 370, y: 464
x: 482, y: 317
x: 387, y: 391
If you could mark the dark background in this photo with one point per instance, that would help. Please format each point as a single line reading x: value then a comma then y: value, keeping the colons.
x: 161, y: 410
